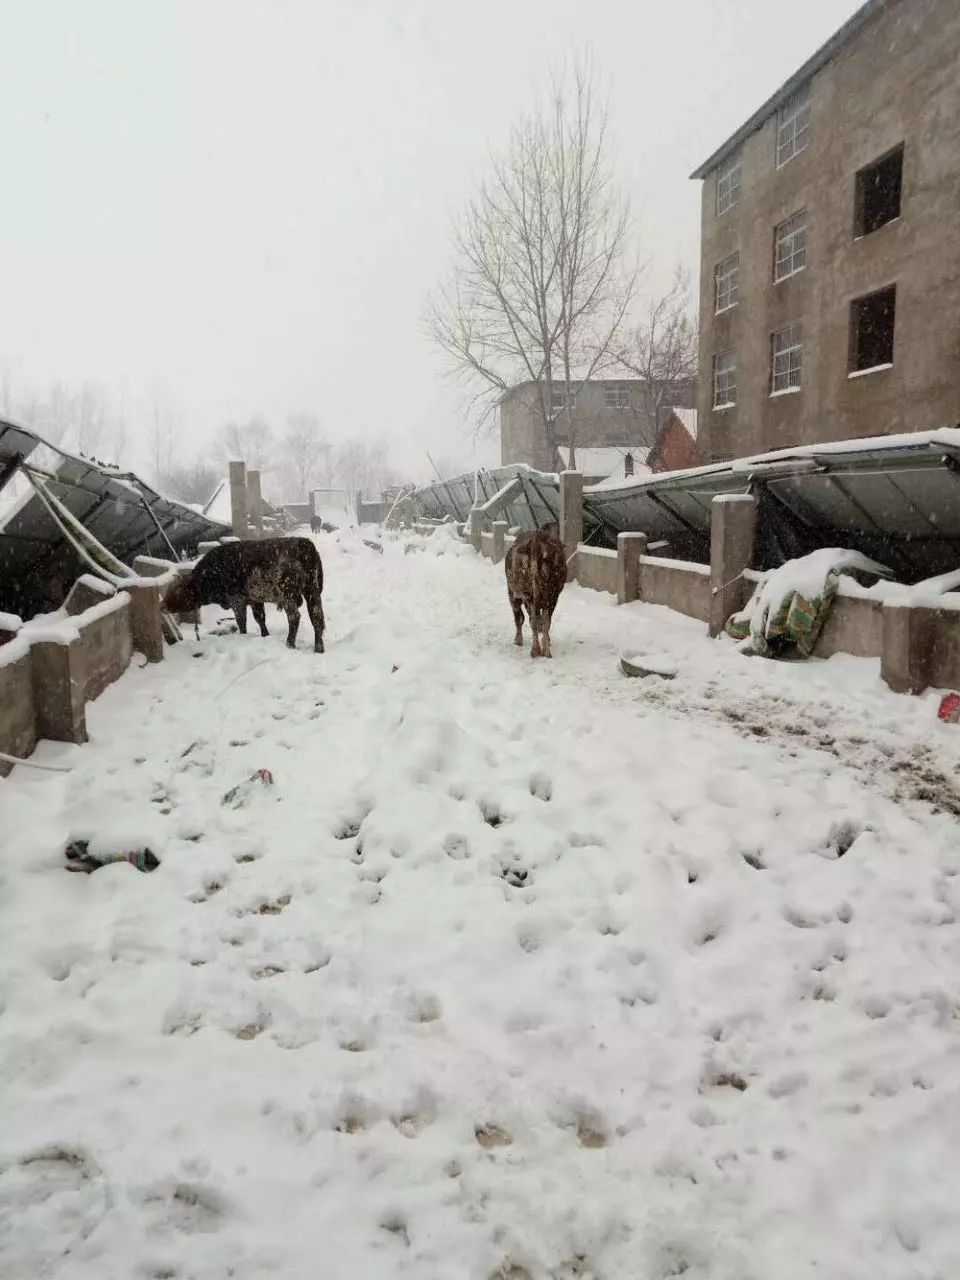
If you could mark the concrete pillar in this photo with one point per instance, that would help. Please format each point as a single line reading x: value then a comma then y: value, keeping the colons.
x: 733, y: 524
x: 58, y: 691
x: 238, y: 499
x: 630, y: 548
x: 255, y: 503
x: 908, y: 644
x: 145, y: 621
x: 147, y: 567
x: 500, y: 528
x: 571, y: 517
x: 474, y: 528
x: 84, y: 595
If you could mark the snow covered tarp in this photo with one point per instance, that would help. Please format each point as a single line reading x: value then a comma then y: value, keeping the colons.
x: 790, y: 605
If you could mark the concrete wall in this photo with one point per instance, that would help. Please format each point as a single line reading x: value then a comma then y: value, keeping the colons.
x: 18, y: 716
x: 854, y: 625
x: 372, y: 512
x: 298, y: 511
x: 596, y: 568
x: 895, y: 82
x: 49, y: 674
x: 678, y: 584
x: 106, y: 645
x: 943, y: 670
x: 594, y: 423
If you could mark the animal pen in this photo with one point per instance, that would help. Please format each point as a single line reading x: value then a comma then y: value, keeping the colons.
x: 699, y: 541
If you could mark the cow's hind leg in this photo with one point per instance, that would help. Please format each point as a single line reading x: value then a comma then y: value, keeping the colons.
x: 517, y: 607
x: 239, y: 607
x: 317, y: 620
x: 546, y: 618
x: 259, y: 616
x: 292, y: 610
x: 536, y: 616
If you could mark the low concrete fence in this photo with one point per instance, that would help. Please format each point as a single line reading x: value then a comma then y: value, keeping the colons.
x: 372, y: 512
x: 596, y: 568
x: 678, y: 584
x: 51, y: 669
x: 918, y: 645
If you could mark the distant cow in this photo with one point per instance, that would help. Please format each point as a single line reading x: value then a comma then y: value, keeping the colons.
x: 237, y: 574
x: 536, y: 568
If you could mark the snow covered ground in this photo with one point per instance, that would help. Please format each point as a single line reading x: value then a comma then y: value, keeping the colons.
x: 519, y: 970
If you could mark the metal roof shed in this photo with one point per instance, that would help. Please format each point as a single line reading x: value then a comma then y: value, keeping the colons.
x: 37, y: 565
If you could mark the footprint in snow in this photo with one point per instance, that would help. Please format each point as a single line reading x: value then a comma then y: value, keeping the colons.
x: 183, y: 1208
x: 541, y: 788
x: 490, y: 1136
x: 51, y: 1199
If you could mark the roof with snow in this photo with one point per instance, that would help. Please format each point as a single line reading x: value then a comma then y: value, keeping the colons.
x: 616, y: 377
x: 610, y: 461
x: 894, y: 498
x: 121, y: 511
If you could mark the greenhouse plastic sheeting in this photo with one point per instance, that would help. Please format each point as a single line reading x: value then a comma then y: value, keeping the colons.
x: 895, y: 498
x: 37, y: 565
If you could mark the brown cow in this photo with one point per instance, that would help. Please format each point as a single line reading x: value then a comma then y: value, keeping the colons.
x: 536, y: 568
x: 237, y: 574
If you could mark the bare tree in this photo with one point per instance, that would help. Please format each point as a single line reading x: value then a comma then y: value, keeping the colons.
x: 251, y: 441
x: 662, y: 350
x: 541, y: 280
x: 162, y: 434
x: 191, y: 481
x: 306, y: 455
x: 364, y: 467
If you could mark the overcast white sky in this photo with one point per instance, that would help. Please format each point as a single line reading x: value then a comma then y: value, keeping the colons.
x: 242, y: 202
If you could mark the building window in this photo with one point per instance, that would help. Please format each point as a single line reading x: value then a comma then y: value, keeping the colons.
x: 729, y: 177
x: 559, y: 400
x: 878, y: 190
x: 726, y: 283
x: 724, y: 380
x: 793, y: 126
x: 871, y: 330
x: 790, y: 246
x: 786, y: 359
x: 616, y: 395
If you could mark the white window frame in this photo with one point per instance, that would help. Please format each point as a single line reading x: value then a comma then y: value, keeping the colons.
x: 559, y: 399
x: 729, y: 181
x: 724, y: 380
x: 790, y: 246
x: 617, y: 396
x: 793, y: 126
x: 786, y: 359
x: 726, y: 283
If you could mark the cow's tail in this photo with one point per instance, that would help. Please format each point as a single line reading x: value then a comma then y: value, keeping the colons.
x: 315, y: 603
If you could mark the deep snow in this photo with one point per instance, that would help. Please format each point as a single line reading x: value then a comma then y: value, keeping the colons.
x: 519, y: 969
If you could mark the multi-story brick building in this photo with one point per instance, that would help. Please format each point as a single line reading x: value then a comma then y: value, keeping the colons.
x: 830, y: 267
